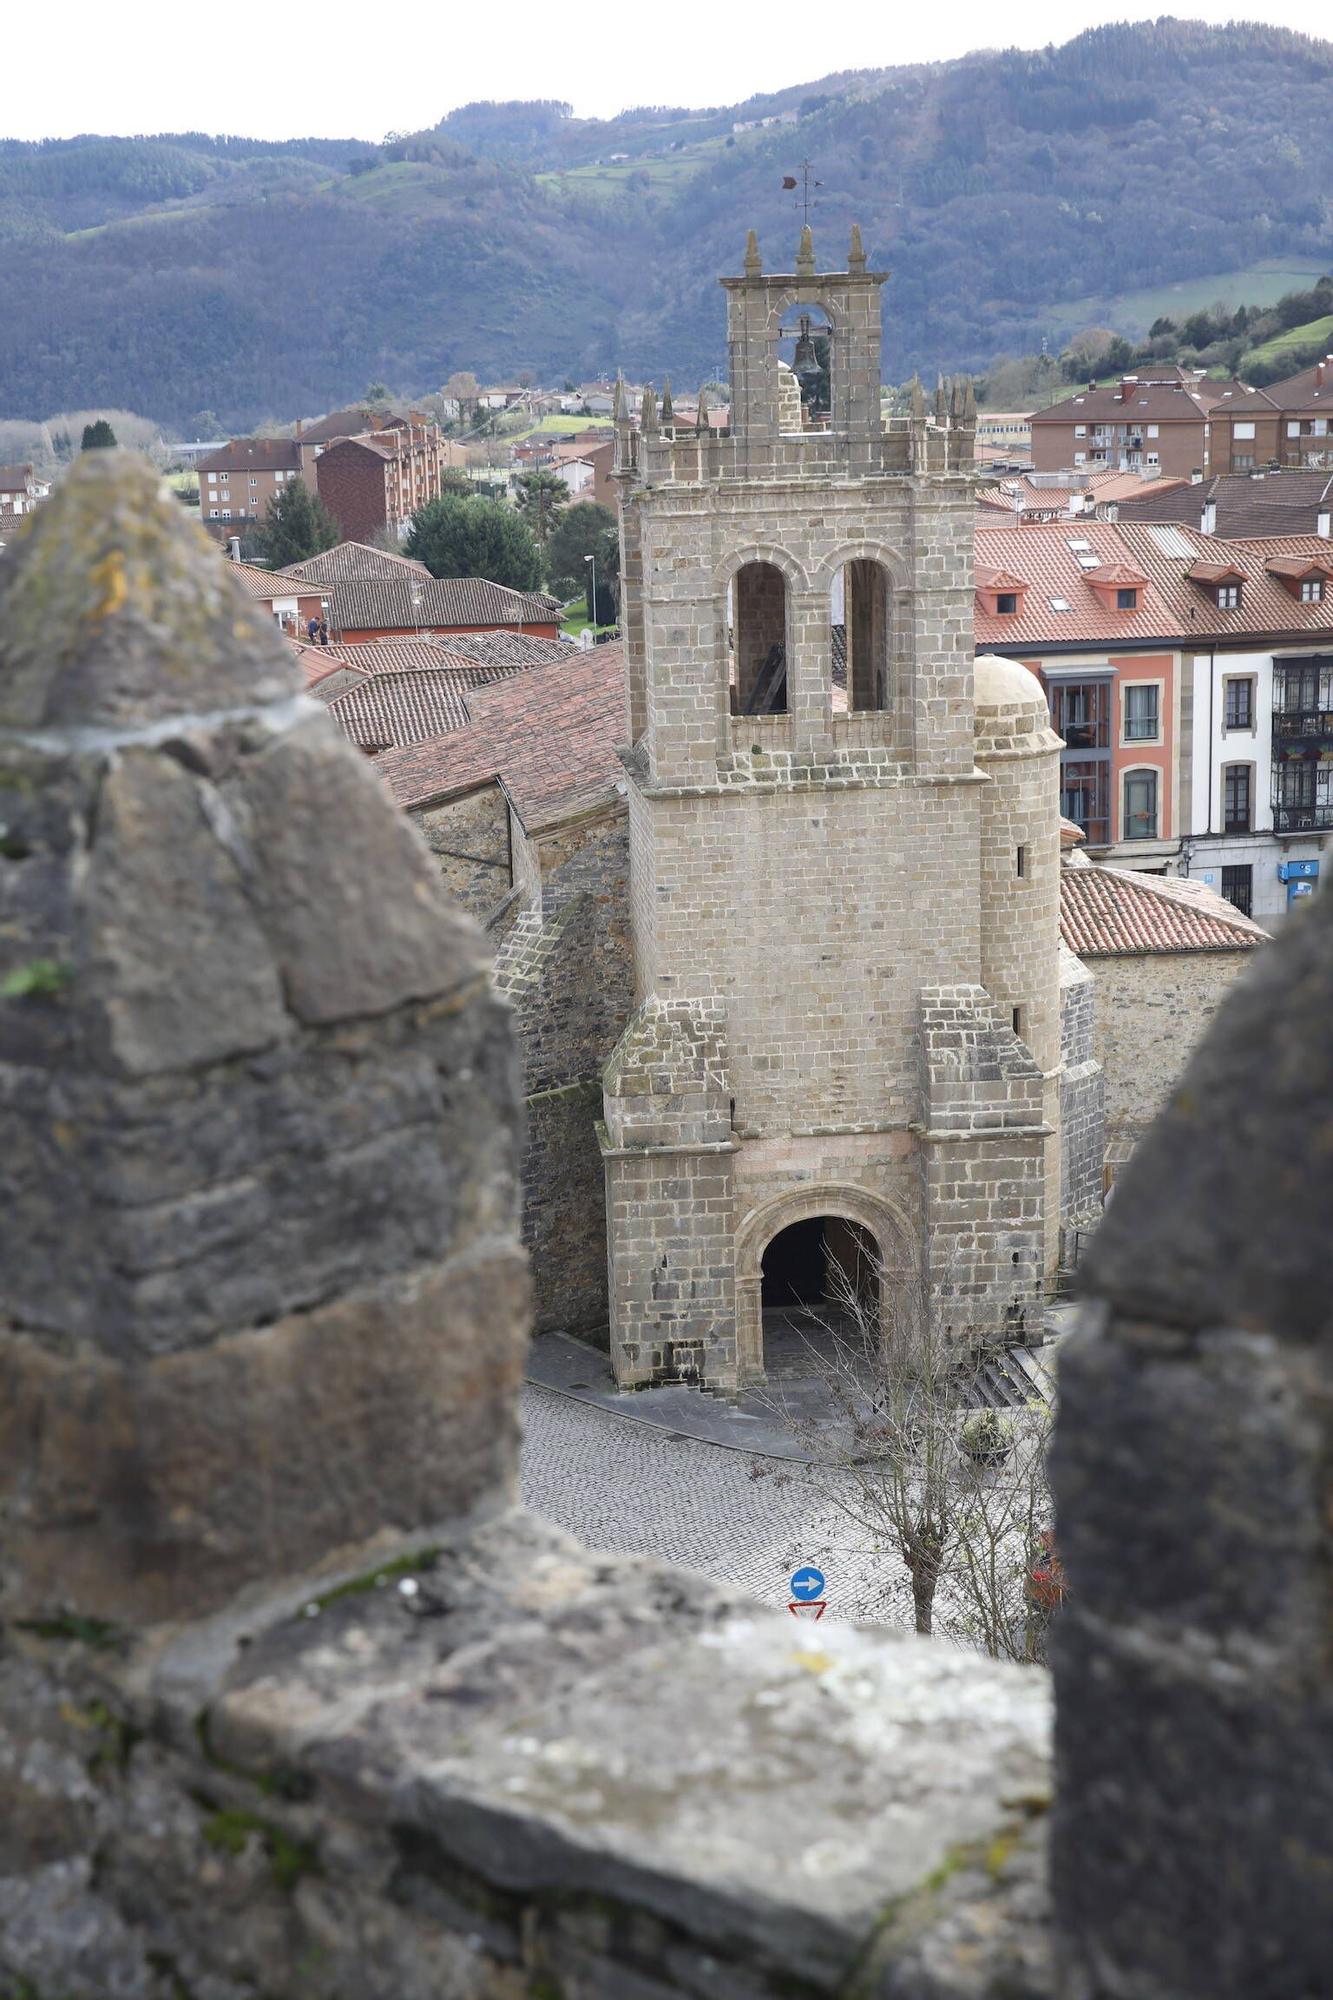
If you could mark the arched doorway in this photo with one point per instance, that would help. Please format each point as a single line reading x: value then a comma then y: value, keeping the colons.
x: 819, y: 1289
x: 855, y: 1232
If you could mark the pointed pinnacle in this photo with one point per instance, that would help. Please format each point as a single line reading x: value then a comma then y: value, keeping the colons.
x: 941, y: 404
x: 918, y: 401
x: 648, y: 411
x: 701, y: 420
x: 619, y: 412
x: 753, y: 266
x: 856, y: 256
x: 668, y: 408
x: 805, y: 254
x: 969, y: 402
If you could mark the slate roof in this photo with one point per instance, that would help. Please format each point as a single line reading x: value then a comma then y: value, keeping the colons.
x: 15, y: 478
x: 1268, y: 503
x: 346, y: 561
x: 254, y: 455
x: 391, y: 710
x: 1112, y: 912
x: 426, y: 603
x: 1170, y: 607
x: 549, y: 737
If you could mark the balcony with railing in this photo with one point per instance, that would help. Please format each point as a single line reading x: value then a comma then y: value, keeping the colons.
x: 1316, y: 817
x: 1312, y: 723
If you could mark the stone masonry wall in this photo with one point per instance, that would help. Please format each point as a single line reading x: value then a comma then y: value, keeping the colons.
x: 1150, y: 1011
x: 1082, y: 1094
x: 567, y: 969
x: 469, y: 838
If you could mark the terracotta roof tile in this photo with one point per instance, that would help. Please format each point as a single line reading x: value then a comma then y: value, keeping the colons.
x: 388, y: 711
x: 1170, y: 606
x: 267, y: 584
x: 1106, y: 912
x: 549, y: 736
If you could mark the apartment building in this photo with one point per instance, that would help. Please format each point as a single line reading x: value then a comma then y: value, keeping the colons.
x: 1188, y: 681
x: 378, y: 480
x: 237, y: 482
x: 1169, y: 422
x: 1305, y: 411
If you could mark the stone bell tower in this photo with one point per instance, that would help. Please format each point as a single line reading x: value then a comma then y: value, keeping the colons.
x: 815, y: 1054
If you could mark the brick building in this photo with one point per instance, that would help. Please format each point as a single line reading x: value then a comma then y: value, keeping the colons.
x: 1164, y: 420
x: 237, y: 483
x: 1304, y: 404
x: 377, y: 481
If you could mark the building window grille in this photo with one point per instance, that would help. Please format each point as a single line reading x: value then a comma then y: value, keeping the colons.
x: 1312, y: 590
x: 1240, y: 704
x: 1141, y: 714
x: 1236, y: 797
x: 1141, y: 805
x: 1228, y: 597
x: 1238, y: 887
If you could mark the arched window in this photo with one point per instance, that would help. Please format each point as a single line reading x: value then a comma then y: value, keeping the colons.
x: 859, y: 614
x: 757, y: 652
x: 1140, y: 802
x: 805, y: 348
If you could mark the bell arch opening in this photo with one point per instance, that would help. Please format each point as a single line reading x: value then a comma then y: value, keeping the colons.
x: 805, y: 350
x: 860, y: 617
x: 757, y: 640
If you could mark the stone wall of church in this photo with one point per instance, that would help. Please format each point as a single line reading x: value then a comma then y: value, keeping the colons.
x: 566, y: 968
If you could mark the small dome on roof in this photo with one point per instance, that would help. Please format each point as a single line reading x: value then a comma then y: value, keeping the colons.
x: 1006, y: 684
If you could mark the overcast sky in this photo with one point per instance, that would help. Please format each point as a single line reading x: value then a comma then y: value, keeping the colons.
x: 337, y: 69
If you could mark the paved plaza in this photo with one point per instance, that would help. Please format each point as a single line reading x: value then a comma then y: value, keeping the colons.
x: 622, y: 1485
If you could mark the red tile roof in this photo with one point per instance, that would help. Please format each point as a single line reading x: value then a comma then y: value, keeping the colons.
x: 1110, y: 912
x: 1044, y: 492
x: 389, y: 711
x: 1311, y: 390
x: 549, y: 736
x: 1170, y: 606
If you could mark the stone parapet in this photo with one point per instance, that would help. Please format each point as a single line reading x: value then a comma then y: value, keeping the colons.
x: 258, y: 1139
x: 515, y: 1769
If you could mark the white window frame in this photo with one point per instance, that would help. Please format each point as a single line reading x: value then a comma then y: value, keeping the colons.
x: 1242, y: 431
x: 1128, y: 742
x: 1154, y: 772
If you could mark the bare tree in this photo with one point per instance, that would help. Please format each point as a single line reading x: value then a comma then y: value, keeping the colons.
x: 902, y: 1449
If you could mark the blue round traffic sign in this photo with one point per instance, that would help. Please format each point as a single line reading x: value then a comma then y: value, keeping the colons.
x: 807, y: 1584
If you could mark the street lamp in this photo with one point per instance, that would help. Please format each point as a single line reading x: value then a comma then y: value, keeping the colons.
x: 592, y: 601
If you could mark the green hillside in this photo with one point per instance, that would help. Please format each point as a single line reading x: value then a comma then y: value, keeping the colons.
x: 1288, y: 353
x: 1139, y: 171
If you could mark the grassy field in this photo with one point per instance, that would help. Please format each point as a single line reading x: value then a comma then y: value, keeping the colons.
x: 608, y: 183
x: 569, y: 426
x: 1315, y: 333
x: 1258, y: 284
x: 576, y: 617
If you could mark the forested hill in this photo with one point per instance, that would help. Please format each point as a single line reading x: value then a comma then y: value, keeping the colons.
x: 1016, y: 197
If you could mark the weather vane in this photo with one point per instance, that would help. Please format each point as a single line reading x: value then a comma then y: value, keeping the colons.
x: 803, y: 200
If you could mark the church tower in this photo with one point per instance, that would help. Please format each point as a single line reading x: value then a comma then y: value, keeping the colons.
x: 844, y: 1055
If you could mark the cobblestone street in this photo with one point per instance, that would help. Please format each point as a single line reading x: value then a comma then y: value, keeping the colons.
x: 621, y: 1486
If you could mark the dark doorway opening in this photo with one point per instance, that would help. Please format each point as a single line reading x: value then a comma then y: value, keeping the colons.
x: 825, y: 1261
